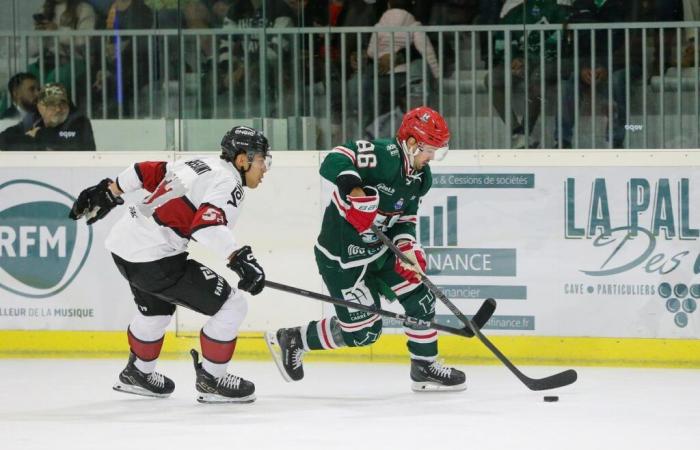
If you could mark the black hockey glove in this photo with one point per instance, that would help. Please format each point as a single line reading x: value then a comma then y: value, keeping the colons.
x: 246, y: 266
x: 95, y: 202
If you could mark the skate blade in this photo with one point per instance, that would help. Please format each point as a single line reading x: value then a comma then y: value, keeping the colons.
x: 429, y: 386
x: 137, y: 390
x: 215, y: 398
x: 273, y: 346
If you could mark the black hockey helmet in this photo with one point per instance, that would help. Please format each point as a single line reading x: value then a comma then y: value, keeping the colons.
x: 246, y: 140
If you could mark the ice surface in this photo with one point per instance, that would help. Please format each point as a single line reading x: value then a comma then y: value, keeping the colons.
x: 69, y: 404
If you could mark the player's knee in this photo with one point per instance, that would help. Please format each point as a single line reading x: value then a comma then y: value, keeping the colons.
x: 420, y: 304
x: 225, y: 323
x: 236, y: 304
x: 233, y: 310
x: 149, y: 328
x: 365, y: 336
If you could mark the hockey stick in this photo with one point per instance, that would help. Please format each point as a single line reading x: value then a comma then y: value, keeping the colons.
x: 481, y: 317
x: 535, y: 384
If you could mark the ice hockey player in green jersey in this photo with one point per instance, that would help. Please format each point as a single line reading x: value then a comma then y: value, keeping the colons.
x: 379, y: 182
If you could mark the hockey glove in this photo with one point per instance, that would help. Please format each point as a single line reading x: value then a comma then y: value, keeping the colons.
x: 249, y: 271
x: 95, y: 202
x: 412, y: 251
x: 363, y: 209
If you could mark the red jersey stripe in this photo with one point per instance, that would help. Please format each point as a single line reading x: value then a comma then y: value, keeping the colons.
x: 151, y: 173
x: 178, y: 215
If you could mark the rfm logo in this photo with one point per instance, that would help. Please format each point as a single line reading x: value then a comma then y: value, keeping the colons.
x: 41, y: 249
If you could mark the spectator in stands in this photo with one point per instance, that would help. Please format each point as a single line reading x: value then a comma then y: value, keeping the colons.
x: 594, y: 69
x: 298, y: 13
x: 24, y: 89
x: 58, y: 127
x: 451, y: 12
x: 233, y: 74
x: 218, y: 11
x: 228, y: 84
x: 691, y: 13
x: 532, y: 12
x: 397, y: 15
x: 64, y: 16
x: 357, y: 13
x: 489, y: 12
x: 118, y: 75
x: 663, y: 11
x: 389, y: 121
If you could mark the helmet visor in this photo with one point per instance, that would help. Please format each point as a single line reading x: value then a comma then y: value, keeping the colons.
x: 438, y: 152
x: 263, y: 162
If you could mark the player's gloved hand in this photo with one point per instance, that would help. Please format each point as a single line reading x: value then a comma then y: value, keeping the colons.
x: 363, y: 209
x: 95, y: 202
x: 252, y: 276
x: 415, y: 253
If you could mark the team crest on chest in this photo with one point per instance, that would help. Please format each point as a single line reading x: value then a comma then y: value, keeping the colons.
x: 399, y: 204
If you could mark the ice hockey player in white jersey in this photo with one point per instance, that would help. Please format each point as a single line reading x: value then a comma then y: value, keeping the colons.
x: 196, y: 199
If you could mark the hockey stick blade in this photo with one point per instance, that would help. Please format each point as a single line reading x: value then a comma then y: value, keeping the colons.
x: 554, y: 381
x: 482, y: 316
x: 557, y: 380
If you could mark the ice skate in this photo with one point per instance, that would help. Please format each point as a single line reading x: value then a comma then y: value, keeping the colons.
x: 133, y: 381
x: 433, y: 376
x: 287, y: 351
x: 226, y: 389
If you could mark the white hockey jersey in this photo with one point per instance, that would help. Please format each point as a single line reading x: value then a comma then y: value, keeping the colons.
x: 196, y: 199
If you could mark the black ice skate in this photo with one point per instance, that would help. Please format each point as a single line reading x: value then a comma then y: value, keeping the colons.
x: 226, y: 389
x: 433, y: 376
x: 133, y: 381
x: 287, y: 352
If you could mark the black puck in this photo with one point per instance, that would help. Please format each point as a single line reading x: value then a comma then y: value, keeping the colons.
x: 551, y: 398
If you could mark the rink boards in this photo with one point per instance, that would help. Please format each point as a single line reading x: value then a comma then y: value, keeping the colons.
x: 592, y: 256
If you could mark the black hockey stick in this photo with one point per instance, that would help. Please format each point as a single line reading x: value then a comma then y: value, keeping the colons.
x: 480, y: 318
x: 535, y: 384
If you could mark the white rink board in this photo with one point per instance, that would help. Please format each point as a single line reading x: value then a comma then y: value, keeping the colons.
x: 514, y: 241
x: 536, y: 245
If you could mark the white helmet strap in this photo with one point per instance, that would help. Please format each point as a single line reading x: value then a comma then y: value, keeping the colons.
x: 410, y: 155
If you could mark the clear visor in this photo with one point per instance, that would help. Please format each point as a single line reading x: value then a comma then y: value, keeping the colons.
x: 263, y: 162
x: 438, y: 153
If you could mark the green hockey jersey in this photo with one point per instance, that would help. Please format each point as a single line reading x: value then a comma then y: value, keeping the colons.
x: 383, y: 165
x: 518, y: 12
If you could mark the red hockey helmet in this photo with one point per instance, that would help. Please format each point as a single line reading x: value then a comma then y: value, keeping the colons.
x: 428, y: 128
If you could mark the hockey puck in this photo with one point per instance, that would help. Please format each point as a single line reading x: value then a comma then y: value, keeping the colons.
x: 551, y: 398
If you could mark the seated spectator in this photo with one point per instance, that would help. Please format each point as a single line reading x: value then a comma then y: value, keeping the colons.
x: 119, y: 70
x: 691, y: 13
x: 396, y: 16
x: 387, y: 123
x: 532, y: 12
x: 599, y: 73
x: 298, y: 13
x: 58, y: 126
x: 665, y: 11
x: 451, y: 12
x: 61, y: 15
x: 24, y: 89
x: 218, y: 11
x: 356, y: 13
x: 228, y: 85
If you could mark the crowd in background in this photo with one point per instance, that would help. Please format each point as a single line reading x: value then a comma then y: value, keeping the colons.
x: 118, y: 69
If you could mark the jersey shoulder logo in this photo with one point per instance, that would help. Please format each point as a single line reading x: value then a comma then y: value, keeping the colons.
x: 198, y: 166
x: 213, y: 215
